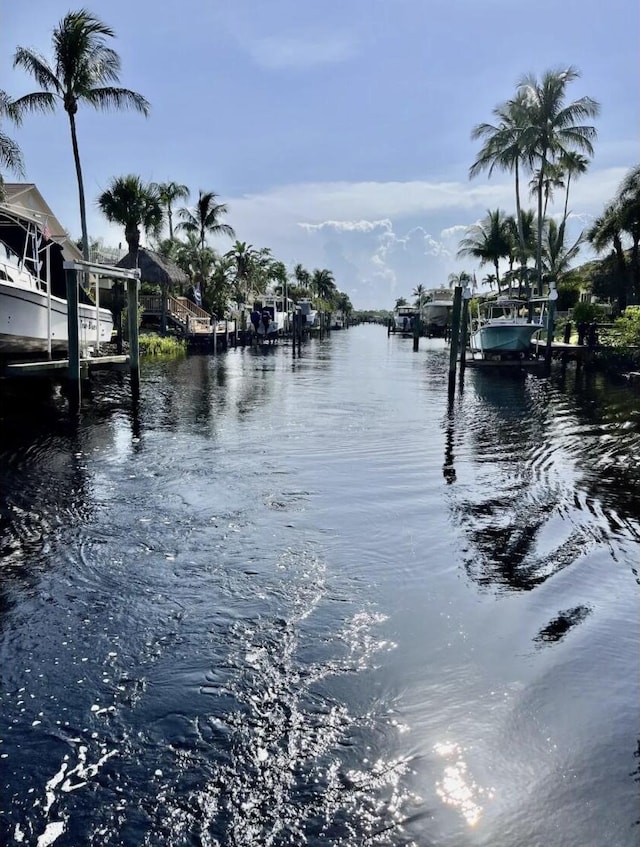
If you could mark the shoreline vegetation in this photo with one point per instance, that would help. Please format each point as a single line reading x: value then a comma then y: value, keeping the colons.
x: 539, y: 136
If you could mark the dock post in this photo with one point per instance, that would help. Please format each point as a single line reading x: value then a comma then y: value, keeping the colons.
x: 553, y: 296
x: 73, y: 372
x: 416, y: 333
x: 464, y: 327
x: 134, y: 340
x: 455, y: 336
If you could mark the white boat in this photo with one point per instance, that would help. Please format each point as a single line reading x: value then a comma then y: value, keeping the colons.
x: 404, y: 318
x: 308, y: 312
x: 437, y: 311
x: 504, y: 327
x: 33, y: 305
x: 280, y: 309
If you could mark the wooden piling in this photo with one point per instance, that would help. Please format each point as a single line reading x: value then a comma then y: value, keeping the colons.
x: 455, y: 336
x: 464, y: 327
x: 73, y: 370
x: 134, y: 343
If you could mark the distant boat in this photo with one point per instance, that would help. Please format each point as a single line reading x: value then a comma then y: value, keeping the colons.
x: 308, y: 312
x: 437, y: 311
x: 33, y: 319
x: 404, y: 318
x: 279, y: 309
x: 503, y: 328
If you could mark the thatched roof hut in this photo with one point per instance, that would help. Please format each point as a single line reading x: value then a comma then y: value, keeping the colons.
x: 154, y: 268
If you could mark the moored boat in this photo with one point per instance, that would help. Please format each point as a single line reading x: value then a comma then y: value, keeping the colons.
x: 33, y: 305
x: 504, y: 327
x: 404, y: 318
x: 437, y: 311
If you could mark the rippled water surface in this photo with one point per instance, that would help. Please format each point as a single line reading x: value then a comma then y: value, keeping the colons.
x: 311, y: 601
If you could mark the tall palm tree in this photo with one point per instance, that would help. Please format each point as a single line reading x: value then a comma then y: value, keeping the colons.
x: 135, y: 205
x: 198, y: 263
x: 243, y: 257
x: 205, y: 218
x: 302, y: 275
x: 10, y: 153
x: 628, y: 201
x: 169, y: 192
x: 552, y: 178
x: 573, y: 164
x: 84, y: 70
x: 503, y: 149
x: 489, y: 241
x: 323, y: 284
x: 607, y: 232
x: 553, y: 128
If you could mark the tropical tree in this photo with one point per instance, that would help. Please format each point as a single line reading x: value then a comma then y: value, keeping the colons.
x: 169, y: 192
x: 553, y: 129
x: 198, y: 263
x: 503, y: 150
x: 557, y: 256
x: 419, y: 292
x: 552, y: 178
x: 606, y: 233
x: 133, y: 204
x: 302, y: 276
x: 10, y: 154
x: 462, y: 279
x: 400, y: 302
x: 489, y: 241
x: 628, y: 201
x: 204, y: 218
x: 573, y: 165
x: 84, y: 70
x: 243, y: 257
x: 323, y: 284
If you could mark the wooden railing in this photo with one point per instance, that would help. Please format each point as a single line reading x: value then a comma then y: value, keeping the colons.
x: 193, y: 319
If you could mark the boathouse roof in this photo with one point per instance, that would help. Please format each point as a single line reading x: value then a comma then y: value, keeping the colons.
x: 154, y: 268
x: 25, y: 199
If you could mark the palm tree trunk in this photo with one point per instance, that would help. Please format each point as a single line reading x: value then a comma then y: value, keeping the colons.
x: 540, y: 219
x: 83, y: 209
x: 523, y: 259
x: 566, y: 198
x: 170, y: 219
x: 495, y: 264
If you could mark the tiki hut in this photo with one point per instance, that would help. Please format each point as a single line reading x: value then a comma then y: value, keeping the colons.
x: 155, y: 269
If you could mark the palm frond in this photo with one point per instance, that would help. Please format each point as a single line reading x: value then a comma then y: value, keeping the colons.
x: 38, y: 67
x: 120, y: 98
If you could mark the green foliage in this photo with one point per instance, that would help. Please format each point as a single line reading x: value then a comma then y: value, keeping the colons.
x: 156, y: 345
x: 587, y: 313
x: 627, y: 327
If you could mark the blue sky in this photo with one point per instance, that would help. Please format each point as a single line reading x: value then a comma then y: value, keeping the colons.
x: 337, y: 132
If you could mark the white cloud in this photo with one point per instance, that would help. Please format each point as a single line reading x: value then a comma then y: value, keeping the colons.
x: 381, y: 239
x: 277, y: 52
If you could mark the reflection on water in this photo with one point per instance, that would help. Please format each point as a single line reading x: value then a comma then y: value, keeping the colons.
x: 313, y: 600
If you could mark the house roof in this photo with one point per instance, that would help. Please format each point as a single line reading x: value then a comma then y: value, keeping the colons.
x: 154, y: 268
x: 25, y: 199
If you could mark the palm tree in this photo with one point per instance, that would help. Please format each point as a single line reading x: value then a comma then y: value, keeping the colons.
x: 84, y: 70
x: 169, y: 192
x: 198, y: 263
x: 628, y: 200
x: 503, y: 149
x: 10, y: 154
x: 607, y: 232
x: 128, y: 201
x: 553, y: 129
x: 302, y: 275
x: 462, y: 279
x: 489, y: 241
x: 573, y: 164
x: 323, y: 284
x: 243, y: 257
x: 205, y: 218
x: 552, y: 178
x: 556, y: 255
x: 419, y: 293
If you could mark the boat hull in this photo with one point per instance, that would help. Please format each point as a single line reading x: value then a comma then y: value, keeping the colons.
x: 24, y: 322
x: 503, y: 339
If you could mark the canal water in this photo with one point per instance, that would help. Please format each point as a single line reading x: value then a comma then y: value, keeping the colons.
x: 309, y: 600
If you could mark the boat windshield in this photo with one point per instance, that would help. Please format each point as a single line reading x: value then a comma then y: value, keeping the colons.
x: 9, y: 255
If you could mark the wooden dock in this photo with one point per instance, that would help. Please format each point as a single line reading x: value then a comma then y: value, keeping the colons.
x: 21, y: 370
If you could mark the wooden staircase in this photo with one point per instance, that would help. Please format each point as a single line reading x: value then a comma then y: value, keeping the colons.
x: 188, y: 318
